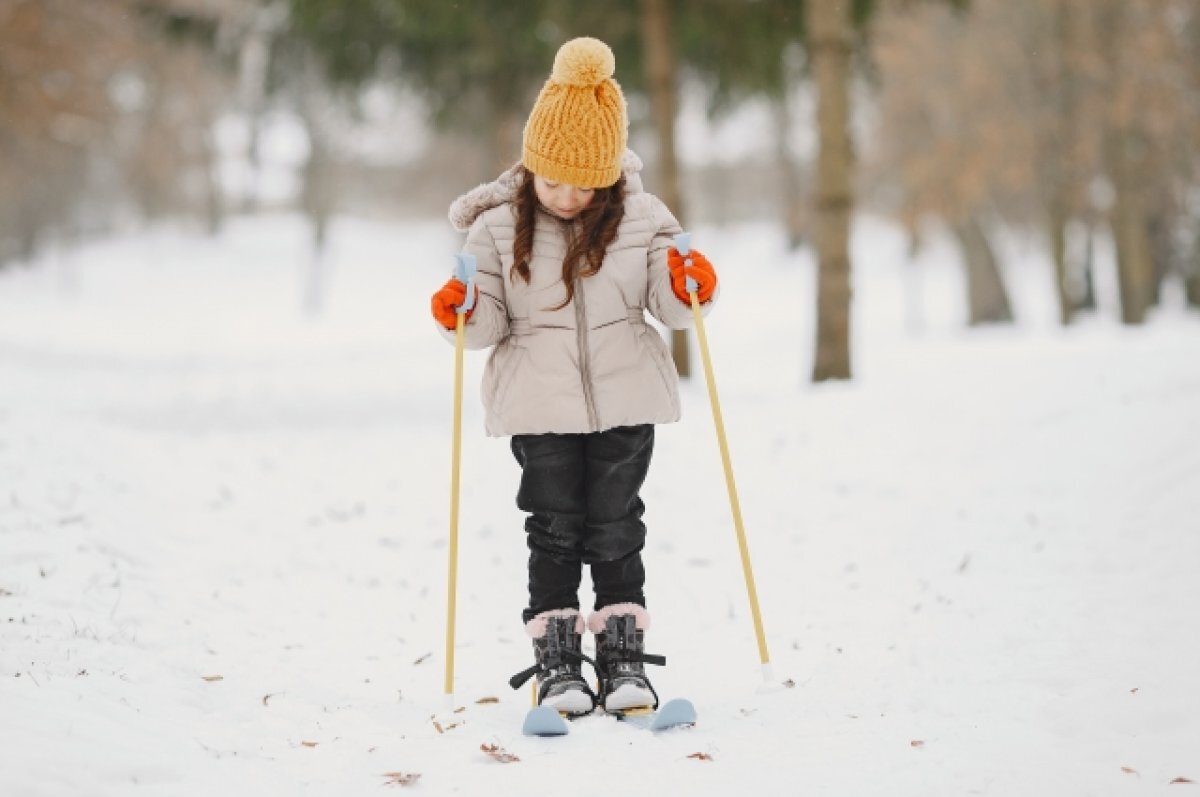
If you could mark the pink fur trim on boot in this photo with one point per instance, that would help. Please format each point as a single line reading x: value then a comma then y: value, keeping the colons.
x: 536, y: 628
x: 599, y: 617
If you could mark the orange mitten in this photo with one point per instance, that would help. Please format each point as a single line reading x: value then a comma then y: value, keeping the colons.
x: 446, y: 302
x: 696, y: 266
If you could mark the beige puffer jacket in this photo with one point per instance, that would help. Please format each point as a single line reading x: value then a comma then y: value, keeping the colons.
x: 594, y: 364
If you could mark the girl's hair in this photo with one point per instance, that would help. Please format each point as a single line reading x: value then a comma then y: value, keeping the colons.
x: 587, y: 240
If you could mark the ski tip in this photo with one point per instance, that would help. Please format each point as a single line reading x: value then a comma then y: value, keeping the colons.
x: 676, y: 713
x: 673, y: 714
x: 544, y: 721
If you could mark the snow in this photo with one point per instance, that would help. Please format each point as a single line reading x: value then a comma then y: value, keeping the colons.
x: 976, y: 562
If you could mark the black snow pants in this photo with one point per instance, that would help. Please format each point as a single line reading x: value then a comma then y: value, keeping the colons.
x: 581, y: 493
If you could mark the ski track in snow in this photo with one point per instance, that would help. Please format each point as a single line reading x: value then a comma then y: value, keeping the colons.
x: 223, y: 538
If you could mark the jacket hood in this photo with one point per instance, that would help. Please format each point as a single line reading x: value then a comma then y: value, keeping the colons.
x: 485, y: 196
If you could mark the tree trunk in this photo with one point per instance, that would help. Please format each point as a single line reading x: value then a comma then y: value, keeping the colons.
x: 1124, y: 150
x: 318, y: 206
x: 1062, y: 272
x: 1162, y: 251
x: 1192, y: 289
x: 318, y: 192
x: 1060, y: 170
x: 659, y: 54
x: 987, y: 300
x: 1086, y: 300
x: 29, y: 234
x: 214, y: 207
x: 829, y: 26
x: 254, y: 61
x: 1135, y: 267
x: 914, y: 305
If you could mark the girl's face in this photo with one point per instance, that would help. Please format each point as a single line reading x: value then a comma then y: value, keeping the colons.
x: 564, y: 201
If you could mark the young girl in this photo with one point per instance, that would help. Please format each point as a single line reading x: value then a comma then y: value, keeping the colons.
x: 571, y: 253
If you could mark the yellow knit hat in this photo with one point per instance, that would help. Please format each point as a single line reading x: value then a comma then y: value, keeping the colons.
x: 577, y: 130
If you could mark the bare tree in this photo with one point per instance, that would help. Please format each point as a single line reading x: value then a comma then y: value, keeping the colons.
x: 987, y: 300
x: 107, y: 108
x: 1061, y: 167
x: 1124, y: 159
x: 950, y: 146
x: 56, y: 58
x: 830, y: 29
x: 1051, y: 116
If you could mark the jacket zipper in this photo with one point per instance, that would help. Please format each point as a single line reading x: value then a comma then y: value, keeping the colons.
x: 585, y: 370
x: 581, y: 340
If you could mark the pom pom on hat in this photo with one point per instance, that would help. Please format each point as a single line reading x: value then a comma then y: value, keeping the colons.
x: 583, y: 62
x: 578, y: 128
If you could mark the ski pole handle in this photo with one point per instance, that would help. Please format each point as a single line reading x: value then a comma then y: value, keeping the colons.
x: 683, y: 242
x: 464, y: 272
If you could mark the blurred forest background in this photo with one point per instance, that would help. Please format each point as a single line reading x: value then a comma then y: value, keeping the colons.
x: 1072, y: 123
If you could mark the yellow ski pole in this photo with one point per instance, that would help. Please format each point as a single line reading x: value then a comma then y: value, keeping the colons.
x: 465, y: 272
x: 683, y: 243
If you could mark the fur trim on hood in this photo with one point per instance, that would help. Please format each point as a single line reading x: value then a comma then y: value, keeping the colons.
x: 485, y: 196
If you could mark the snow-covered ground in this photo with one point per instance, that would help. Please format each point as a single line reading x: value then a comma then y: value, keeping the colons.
x: 223, y: 537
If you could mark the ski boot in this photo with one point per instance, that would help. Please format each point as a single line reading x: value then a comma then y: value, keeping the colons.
x: 557, y: 637
x: 620, y: 659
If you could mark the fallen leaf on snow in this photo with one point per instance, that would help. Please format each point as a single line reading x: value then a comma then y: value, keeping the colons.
x: 309, y: 744
x: 1129, y: 770
x: 701, y: 756
x: 485, y: 700
x: 917, y: 743
x: 440, y: 728
x: 1181, y: 779
x: 1134, y: 690
x: 499, y: 753
x: 212, y: 678
x: 401, y: 778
